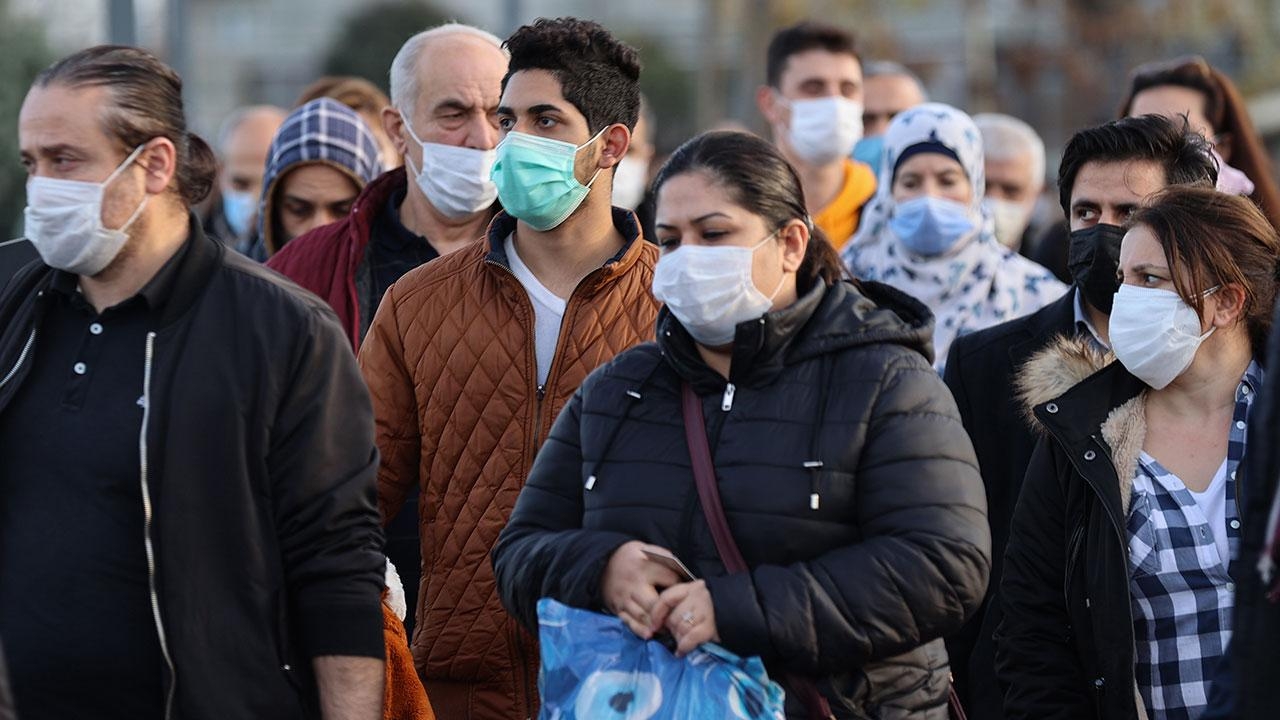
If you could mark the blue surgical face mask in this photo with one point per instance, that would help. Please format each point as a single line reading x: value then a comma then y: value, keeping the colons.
x: 535, y: 179
x: 931, y: 226
x: 870, y: 150
x: 238, y: 208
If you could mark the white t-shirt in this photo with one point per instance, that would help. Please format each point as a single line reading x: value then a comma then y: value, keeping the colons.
x: 548, y: 311
x: 1213, y: 503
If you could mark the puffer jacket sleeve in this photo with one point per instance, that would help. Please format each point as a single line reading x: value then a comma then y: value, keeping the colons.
x: 1035, y: 659
x: 395, y: 409
x: 322, y: 463
x: 921, y: 566
x: 544, y: 551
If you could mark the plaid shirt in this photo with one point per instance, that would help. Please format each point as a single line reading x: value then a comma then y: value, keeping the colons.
x: 1181, y: 593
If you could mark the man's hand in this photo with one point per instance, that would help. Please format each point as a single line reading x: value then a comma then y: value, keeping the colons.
x: 351, y: 688
x: 631, y: 584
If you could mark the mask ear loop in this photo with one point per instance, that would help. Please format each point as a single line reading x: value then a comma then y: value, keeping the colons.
x: 114, y: 174
x: 592, y: 181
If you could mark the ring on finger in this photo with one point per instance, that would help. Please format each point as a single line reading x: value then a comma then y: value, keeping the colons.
x: 687, y: 618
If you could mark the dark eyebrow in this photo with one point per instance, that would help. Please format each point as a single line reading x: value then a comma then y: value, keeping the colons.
x: 1085, y: 203
x: 298, y: 200
x: 1141, y: 268
x: 708, y: 216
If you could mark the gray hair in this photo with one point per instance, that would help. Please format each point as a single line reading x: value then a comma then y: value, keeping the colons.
x: 232, y: 122
x: 1005, y: 137
x: 404, y: 81
x: 889, y: 68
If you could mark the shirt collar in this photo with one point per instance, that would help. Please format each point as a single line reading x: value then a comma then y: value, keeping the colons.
x: 1084, y: 326
x: 1251, y: 383
x: 155, y: 293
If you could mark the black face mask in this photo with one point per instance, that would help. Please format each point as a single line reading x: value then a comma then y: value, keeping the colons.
x: 1093, y: 259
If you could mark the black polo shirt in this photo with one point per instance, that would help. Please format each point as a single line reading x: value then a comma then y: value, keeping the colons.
x: 75, y: 602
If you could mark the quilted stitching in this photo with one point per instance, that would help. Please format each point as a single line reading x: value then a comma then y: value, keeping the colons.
x: 466, y: 331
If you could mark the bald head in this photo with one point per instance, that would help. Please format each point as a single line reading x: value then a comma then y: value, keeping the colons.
x: 243, y: 143
x: 888, y: 89
x: 446, y: 83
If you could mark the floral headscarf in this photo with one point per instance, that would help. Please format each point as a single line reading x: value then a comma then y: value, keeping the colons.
x: 980, y: 282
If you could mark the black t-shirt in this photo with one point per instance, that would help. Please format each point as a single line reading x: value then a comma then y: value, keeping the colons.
x: 75, y: 602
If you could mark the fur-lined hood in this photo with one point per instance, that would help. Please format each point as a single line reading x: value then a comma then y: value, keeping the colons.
x: 1063, y: 364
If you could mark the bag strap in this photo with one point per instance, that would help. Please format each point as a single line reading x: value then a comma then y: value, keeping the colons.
x: 704, y: 476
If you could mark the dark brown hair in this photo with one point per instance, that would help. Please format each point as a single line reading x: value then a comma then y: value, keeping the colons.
x: 1212, y: 239
x: 757, y: 178
x: 1225, y: 110
x: 598, y: 74
x: 146, y: 103
x: 803, y: 37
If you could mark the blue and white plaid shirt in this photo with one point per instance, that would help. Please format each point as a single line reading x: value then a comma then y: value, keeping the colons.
x: 1181, y: 593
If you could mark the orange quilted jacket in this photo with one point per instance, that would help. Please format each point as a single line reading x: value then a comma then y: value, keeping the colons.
x: 450, y: 364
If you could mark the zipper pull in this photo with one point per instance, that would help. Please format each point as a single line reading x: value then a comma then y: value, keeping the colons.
x: 726, y: 404
x: 542, y: 392
x: 815, y: 499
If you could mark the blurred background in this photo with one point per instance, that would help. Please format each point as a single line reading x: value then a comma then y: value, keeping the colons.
x: 1058, y: 64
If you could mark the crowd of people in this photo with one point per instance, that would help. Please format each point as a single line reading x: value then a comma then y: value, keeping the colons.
x: 306, y: 423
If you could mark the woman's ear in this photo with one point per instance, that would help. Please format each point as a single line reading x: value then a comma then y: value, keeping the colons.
x: 1229, y: 306
x: 795, y: 240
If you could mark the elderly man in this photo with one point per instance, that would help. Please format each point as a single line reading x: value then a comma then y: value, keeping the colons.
x: 889, y: 89
x: 445, y: 85
x: 1014, y: 160
x: 243, y: 143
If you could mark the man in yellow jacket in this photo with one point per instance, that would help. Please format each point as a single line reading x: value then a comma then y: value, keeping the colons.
x: 813, y: 102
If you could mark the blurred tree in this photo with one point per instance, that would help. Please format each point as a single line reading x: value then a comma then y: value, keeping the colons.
x: 669, y: 87
x: 26, y: 53
x: 369, y: 39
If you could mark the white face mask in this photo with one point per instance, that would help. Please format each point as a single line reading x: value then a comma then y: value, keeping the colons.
x: 709, y: 289
x: 64, y: 222
x: 1011, y: 220
x: 454, y: 179
x: 630, y: 181
x: 1154, y: 333
x: 824, y: 130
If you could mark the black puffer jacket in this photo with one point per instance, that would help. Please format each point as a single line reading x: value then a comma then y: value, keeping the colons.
x: 856, y: 593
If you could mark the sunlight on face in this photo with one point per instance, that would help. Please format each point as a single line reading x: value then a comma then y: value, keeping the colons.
x: 934, y: 175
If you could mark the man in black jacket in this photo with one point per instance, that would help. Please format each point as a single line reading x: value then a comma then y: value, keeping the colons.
x: 1106, y: 173
x: 188, y: 524
x: 14, y: 254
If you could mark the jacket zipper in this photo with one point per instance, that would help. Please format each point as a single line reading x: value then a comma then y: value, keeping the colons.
x: 146, y: 524
x: 1073, y: 546
x: 22, y: 358
x: 522, y: 670
x: 726, y: 403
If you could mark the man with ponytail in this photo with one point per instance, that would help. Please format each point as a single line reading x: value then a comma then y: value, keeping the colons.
x: 187, y: 513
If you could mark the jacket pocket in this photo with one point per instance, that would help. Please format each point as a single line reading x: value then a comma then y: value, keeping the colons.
x: 1144, y: 543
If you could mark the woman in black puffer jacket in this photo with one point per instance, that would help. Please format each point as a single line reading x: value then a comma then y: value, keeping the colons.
x: 859, y: 562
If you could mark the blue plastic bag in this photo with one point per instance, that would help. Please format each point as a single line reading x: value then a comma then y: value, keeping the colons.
x: 595, y: 668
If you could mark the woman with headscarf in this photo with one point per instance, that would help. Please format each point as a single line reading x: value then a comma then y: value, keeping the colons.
x: 928, y: 235
x: 320, y: 159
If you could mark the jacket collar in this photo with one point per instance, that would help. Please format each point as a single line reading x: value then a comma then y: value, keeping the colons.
x: 195, y: 268
x: 1057, y: 318
x: 624, y: 221
x: 760, y: 346
x: 1078, y: 395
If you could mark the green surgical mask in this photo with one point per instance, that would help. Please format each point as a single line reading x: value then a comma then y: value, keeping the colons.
x: 535, y: 179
